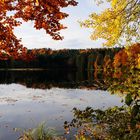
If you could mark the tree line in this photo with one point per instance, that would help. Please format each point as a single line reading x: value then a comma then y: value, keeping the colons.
x: 82, y: 59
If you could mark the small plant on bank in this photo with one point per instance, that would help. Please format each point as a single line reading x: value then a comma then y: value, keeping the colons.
x: 40, y: 133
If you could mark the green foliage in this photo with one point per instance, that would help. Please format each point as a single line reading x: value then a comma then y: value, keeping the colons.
x: 128, y: 99
x: 112, y: 124
x: 40, y: 133
x: 117, y: 123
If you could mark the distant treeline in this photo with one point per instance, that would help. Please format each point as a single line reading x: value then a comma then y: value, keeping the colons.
x: 63, y: 59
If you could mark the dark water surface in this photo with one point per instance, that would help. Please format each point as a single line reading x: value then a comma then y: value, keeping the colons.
x: 28, y: 98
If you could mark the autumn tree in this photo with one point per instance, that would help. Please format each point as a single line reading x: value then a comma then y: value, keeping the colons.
x: 118, y: 24
x: 45, y: 14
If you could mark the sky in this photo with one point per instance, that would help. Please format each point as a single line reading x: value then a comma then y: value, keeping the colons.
x: 75, y: 37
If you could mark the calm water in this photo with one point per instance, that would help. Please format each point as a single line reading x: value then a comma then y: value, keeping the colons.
x: 30, y: 98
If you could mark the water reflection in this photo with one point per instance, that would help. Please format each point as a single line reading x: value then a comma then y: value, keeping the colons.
x: 22, y: 107
x: 28, y: 98
x: 47, y: 79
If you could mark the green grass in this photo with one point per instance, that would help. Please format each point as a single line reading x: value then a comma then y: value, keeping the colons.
x: 40, y: 133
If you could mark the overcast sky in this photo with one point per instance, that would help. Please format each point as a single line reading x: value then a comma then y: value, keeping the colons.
x: 75, y: 37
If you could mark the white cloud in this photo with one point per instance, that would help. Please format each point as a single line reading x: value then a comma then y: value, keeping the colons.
x: 75, y: 36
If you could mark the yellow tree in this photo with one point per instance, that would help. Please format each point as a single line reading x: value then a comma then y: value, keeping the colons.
x: 118, y: 24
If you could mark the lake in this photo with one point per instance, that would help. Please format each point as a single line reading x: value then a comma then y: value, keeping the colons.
x: 28, y: 98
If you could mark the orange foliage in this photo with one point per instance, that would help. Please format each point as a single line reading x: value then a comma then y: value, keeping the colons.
x: 134, y: 50
x: 45, y: 14
x: 120, y: 58
x: 117, y: 74
x: 134, y: 54
x: 128, y: 57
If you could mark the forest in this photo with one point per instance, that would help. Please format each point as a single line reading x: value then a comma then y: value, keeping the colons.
x: 61, y: 59
x: 72, y: 93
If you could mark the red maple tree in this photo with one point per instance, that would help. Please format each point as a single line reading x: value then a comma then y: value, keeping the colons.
x: 45, y: 14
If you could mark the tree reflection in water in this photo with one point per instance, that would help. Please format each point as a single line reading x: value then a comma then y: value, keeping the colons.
x: 122, y: 76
